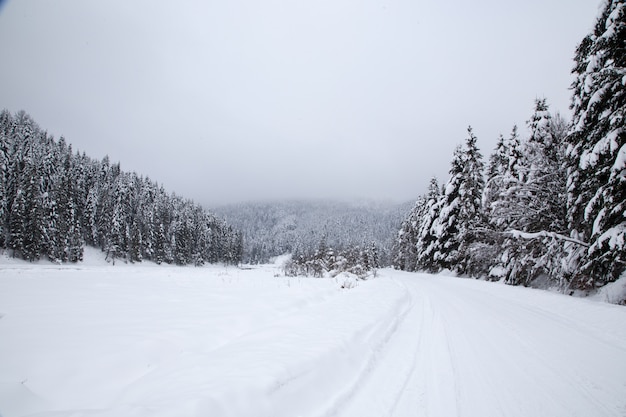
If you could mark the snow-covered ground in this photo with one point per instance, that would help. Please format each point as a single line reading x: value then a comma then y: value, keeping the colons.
x: 146, y: 340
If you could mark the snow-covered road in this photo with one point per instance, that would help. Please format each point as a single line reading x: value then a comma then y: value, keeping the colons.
x: 164, y: 341
x: 483, y: 349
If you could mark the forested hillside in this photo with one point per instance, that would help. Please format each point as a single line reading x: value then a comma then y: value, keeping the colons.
x: 550, y: 210
x: 272, y: 229
x: 54, y: 201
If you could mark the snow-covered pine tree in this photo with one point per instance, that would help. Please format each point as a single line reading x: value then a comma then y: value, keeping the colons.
x: 164, y: 213
x: 503, y: 181
x: 64, y: 231
x: 5, y: 128
x: 426, y: 238
x: 372, y: 256
x: 461, y: 218
x: 445, y: 227
x: 545, y: 179
x: 28, y: 218
x: 548, y: 205
x: 529, y: 209
x: 118, y: 232
x: 74, y: 182
x: 596, y: 193
x: 405, y: 247
x: 237, y: 244
x: 498, y: 165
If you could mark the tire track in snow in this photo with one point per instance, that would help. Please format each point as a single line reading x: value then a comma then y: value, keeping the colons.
x: 304, y: 364
x: 390, y: 386
x: 402, y: 345
x: 560, y: 375
x: 434, y: 378
x: 381, y: 342
x: 508, y: 358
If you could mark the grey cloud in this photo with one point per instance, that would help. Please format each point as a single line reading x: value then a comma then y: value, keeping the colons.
x: 241, y: 100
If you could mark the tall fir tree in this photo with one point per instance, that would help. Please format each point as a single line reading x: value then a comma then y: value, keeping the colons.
x: 426, y: 238
x: 544, y: 177
x: 596, y: 153
x: 5, y: 124
x: 503, y: 181
x: 461, y: 218
x: 405, y: 246
x: 500, y: 202
x: 529, y: 209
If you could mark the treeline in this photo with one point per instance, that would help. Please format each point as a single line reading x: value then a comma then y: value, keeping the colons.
x: 54, y: 201
x: 272, y: 229
x: 550, y: 207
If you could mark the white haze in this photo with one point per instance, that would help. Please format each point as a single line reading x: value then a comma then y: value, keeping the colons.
x: 244, y: 100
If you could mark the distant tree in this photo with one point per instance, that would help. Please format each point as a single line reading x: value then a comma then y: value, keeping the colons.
x: 372, y: 259
x: 405, y: 248
x: 29, y: 219
x: 65, y: 231
x: 6, y: 122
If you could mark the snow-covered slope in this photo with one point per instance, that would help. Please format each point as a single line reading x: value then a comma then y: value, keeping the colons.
x: 169, y: 341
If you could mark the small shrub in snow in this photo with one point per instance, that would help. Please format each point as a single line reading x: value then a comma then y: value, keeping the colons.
x: 362, y: 263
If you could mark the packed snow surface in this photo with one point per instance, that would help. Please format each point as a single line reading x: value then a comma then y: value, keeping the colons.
x: 98, y: 340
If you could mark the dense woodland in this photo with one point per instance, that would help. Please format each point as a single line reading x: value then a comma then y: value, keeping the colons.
x: 548, y: 209
x: 323, y: 237
x: 301, y: 227
x: 54, y: 201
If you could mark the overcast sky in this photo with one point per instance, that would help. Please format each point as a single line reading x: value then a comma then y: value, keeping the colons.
x: 236, y: 100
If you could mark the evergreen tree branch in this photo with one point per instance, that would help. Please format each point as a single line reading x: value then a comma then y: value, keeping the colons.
x: 525, y: 235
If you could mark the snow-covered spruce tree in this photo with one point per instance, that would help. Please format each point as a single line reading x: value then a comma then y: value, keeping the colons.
x: 498, y: 164
x: 372, y: 257
x: 545, y: 179
x: 6, y: 122
x: 596, y: 154
x: 405, y: 247
x: 426, y: 238
x: 530, y: 210
x: 548, y: 206
x: 66, y: 234
x: 460, y: 221
x: 503, y: 181
x: 28, y: 218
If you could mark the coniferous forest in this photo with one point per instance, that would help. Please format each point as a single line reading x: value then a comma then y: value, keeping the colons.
x: 300, y: 227
x: 548, y: 209
x: 309, y: 277
x: 53, y: 202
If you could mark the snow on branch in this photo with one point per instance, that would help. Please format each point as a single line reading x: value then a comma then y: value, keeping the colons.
x: 525, y: 235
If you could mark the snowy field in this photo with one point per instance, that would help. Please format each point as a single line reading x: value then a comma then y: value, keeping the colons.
x: 146, y: 340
